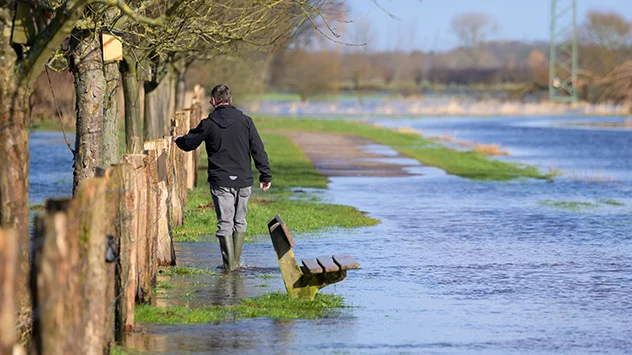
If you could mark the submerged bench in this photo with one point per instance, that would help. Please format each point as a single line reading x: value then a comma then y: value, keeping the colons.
x: 305, y: 281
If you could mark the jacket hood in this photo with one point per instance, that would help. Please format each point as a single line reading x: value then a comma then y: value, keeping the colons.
x: 225, y: 115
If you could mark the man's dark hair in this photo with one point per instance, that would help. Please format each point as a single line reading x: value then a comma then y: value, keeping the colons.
x: 221, y: 94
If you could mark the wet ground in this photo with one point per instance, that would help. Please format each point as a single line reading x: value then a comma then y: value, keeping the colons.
x: 455, y: 266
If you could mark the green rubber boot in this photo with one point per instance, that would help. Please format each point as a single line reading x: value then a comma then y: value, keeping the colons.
x: 238, y: 244
x: 228, y: 253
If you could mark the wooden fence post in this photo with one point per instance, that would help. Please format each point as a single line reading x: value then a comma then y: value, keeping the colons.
x: 176, y: 210
x: 69, y: 278
x: 153, y: 208
x: 122, y: 183
x: 8, y: 290
x: 140, y: 213
x: 55, y: 282
x: 158, y: 155
x: 91, y: 219
x: 196, y: 118
x: 162, y: 242
x: 113, y: 194
x: 182, y: 124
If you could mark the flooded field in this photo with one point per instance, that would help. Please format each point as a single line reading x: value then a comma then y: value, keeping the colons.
x: 456, y: 266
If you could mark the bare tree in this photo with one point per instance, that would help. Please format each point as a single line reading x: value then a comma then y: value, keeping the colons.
x: 472, y: 30
x: 203, y: 30
x: 609, y: 30
x: 307, y: 73
x: 606, y: 38
x: 362, y: 35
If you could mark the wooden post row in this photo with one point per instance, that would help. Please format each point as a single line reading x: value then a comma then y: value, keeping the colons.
x: 100, y: 250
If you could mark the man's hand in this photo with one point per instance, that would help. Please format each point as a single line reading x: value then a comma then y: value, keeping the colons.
x: 175, y: 138
x: 265, y: 186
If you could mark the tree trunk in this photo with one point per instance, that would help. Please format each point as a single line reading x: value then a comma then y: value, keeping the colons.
x: 131, y: 94
x: 14, y: 187
x: 160, y: 102
x: 152, y: 120
x: 169, y: 108
x: 181, y: 87
x: 90, y: 89
x: 111, y: 115
x: 14, y: 161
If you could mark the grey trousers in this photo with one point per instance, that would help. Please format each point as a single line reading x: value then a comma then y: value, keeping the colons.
x: 230, y: 207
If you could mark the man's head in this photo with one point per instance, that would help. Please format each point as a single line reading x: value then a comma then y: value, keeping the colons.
x: 220, y: 95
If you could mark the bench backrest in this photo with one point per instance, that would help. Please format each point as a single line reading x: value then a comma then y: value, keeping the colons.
x: 277, y: 222
x: 283, y: 243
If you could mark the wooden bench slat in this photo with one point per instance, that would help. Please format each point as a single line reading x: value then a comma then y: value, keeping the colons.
x: 346, y: 262
x: 312, y: 266
x: 327, y: 263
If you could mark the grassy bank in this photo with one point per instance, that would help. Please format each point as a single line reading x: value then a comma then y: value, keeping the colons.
x: 580, y: 206
x: 290, y: 168
x: 274, y: 305
x: 472, y: 165
x: 52, y: 125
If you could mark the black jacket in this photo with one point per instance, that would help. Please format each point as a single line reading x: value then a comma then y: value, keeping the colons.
x: 231, y: 139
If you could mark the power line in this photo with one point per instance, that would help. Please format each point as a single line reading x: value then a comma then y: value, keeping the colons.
x: 563, y: 51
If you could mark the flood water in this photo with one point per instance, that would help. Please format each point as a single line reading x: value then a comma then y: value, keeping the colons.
x: 51, y: 166
x: 456, y: 266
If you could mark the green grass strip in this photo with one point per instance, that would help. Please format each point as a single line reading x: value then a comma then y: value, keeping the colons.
x: 569, y: 205
x: 611, y: 202
x: 183, y: 271
x: 274, y: 306
x: 470, y: 165
x: 578, y: 206
x: 119, y: 350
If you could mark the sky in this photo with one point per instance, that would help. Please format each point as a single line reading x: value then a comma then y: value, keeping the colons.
x: 425, y: 25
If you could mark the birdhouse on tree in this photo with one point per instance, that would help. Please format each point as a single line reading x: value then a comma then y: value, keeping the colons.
x: 112, y: 48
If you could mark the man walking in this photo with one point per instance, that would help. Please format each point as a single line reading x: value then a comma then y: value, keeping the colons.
x: 231, y: 139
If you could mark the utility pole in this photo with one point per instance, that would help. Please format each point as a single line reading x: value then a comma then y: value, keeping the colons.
x: 563, y: 52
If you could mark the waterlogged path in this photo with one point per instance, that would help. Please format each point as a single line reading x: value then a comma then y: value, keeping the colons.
x: 346, y: 155
x: 456, y: 266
